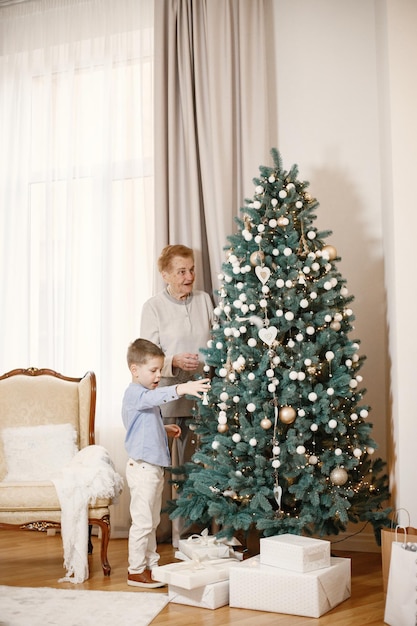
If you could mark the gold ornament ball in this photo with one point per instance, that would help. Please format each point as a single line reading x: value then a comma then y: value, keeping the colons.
x: 222, y: 428
x: 335, y: 326
x: 282, y: 221
x: 338, y: 476
x: 287, y: 414
x: 257, y: 258
x: 266, y: 423
x: 331, y: 251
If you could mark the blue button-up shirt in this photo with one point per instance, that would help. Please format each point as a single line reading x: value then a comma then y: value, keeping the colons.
x: 146, y: 438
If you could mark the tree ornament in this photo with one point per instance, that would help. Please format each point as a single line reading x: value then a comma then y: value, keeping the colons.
x: 263, y: 273
x: 222, y: 428
x: 329, y: 252
x: 287, y: 414
x: 266, y: 423
x: 268, y: 335
x: 338, y: 476
x: 257, y: 258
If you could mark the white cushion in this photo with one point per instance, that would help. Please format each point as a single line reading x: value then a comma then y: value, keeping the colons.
x: 38, y: 452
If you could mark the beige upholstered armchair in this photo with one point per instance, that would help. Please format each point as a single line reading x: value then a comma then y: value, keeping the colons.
x: 45, y: 418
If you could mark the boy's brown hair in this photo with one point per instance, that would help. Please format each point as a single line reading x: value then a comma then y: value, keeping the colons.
x: 141, y: 350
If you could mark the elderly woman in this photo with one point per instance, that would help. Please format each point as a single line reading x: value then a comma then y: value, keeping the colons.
x: 178, y: 319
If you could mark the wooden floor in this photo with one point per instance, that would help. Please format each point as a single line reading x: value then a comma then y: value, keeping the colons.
x: 33, y: 559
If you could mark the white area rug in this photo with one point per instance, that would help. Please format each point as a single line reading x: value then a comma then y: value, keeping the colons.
x: 44, y: 606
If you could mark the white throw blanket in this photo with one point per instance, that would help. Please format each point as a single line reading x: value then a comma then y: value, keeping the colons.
x: 88, y: 476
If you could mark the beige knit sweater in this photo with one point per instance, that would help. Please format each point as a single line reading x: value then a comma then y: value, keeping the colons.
x: 177, y: 326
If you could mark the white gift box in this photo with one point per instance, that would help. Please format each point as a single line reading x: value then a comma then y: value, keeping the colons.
x: 254, y: 585
x: 295, y: 553
x: 210, y: 596
x: 192, y: 574
x: 203, y: 546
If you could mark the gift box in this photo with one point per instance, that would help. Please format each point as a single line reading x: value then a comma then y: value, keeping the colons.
x: 192, y: 574
x: 203, y: 546
x: 210, y: 596
x: 295, y: 553
x: 253, y: 585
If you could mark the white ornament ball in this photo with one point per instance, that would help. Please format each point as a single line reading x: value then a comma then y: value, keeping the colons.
x: 370, y: 450
x: 238, y: 473
x: 338, y: 452
x: 276, y: 463
x: 215, y: 445
x: 251, y: 376
x: 332, y: 423
x: 253, y: 442
x: 276, y: 450
x: 224, y: 396
x: 222, y: 372
x: 312, y: 396
x: 300, y: 450
x: 314, y: 428
x: 364, y: 413
x: 313, y: 460
x: 329, y: 355
x: 251, y: 407
x: 236, y: 437
x: 357, y: 453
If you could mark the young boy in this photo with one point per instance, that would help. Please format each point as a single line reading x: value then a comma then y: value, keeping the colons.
x: 147, y: 446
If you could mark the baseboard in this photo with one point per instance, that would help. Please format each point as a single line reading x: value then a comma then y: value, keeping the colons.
x: 346, y: 541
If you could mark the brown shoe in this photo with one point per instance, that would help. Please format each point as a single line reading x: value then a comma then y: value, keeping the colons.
x: 143, y: 580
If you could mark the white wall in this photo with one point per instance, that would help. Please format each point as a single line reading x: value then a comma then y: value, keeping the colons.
x: 329, y: 124
x: 400, y: 231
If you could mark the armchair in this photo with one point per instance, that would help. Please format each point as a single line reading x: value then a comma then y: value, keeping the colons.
x: 44, y: 398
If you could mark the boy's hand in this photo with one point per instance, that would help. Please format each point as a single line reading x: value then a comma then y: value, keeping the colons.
x: 173, y: 430
x: 194, y: 387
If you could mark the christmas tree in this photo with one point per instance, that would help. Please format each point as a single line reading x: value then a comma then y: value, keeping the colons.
x: 284, y: 441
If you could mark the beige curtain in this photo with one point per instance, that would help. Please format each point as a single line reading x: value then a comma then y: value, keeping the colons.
x: 215, y: 120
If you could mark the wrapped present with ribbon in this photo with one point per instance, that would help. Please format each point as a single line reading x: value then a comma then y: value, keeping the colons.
x: 206, y: 546
x: 195, y: 573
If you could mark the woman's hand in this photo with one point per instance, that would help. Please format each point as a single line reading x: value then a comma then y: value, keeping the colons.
x: 186, y: 361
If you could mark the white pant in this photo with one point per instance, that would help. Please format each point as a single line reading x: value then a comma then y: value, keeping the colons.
x: 146, y: 483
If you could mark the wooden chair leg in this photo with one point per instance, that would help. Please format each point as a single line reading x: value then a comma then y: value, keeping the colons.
x: 104, y: 524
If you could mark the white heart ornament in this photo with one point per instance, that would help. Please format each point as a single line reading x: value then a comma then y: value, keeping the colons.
x: 263, y: 273
x: 268, y: 335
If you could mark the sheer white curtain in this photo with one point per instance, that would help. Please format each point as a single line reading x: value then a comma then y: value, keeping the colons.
x: 76, y: 192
